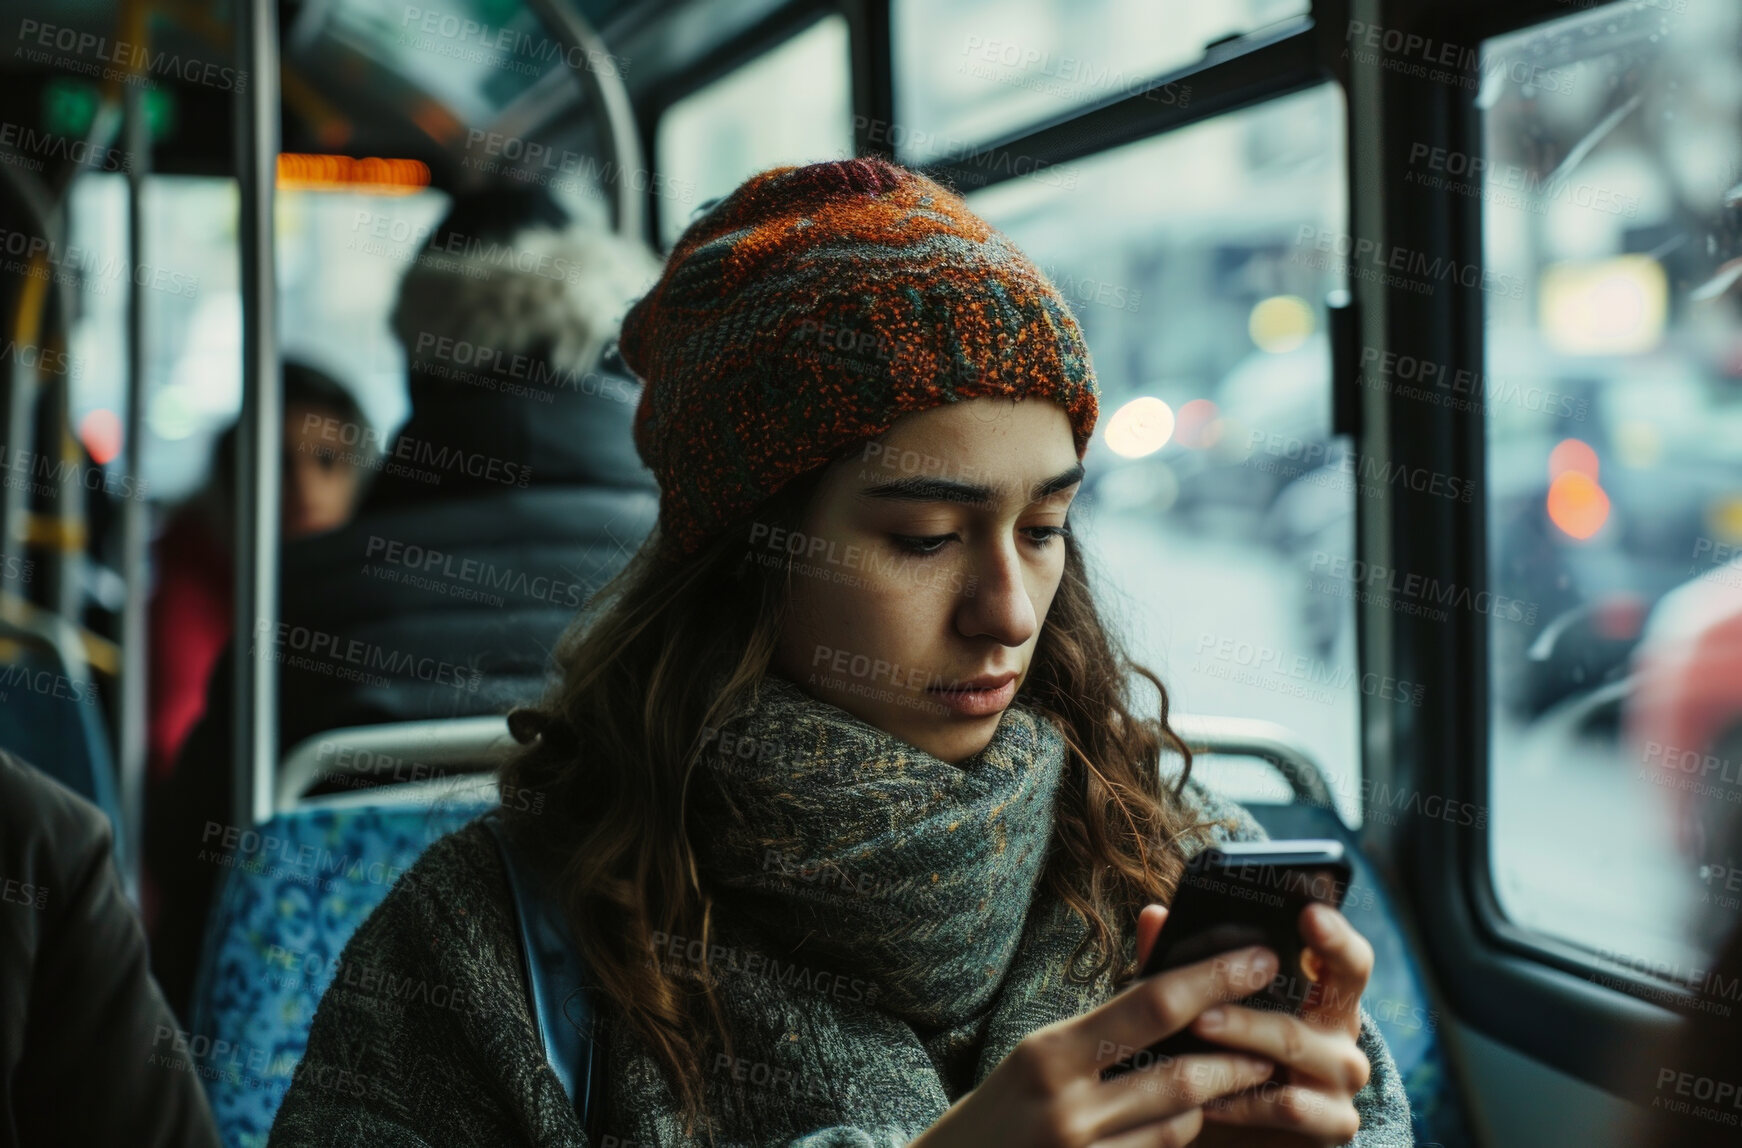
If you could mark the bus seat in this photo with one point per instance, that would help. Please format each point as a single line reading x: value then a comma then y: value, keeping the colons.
x: 290, y: 899
x: 52, y: 719
x: 392, y: 752
x: 1396, y: 995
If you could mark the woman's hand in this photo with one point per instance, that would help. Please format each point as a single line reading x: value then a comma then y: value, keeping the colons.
x: 1048, y: 1093
x: 1321, y: 1067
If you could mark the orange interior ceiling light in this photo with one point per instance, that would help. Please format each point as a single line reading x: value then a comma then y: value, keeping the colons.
x: 343, y: 172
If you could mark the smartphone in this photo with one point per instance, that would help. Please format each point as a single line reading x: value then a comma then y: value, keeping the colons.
x: 1240, y: 894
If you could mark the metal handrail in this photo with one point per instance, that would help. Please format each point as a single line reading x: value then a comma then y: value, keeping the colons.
x: 1266, y: 740
x: 610, y: 95
x: 261, y: 431
x: 478, y: 744
x: 131, y: 736
x: 399, y: 752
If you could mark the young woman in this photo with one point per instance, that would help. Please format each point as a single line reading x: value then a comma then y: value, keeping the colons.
x: 845, y: 787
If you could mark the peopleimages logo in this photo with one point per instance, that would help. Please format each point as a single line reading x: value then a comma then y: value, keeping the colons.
x: 44, y: 474
x: 40, y: 359
x: 477, y: 42
x: 43, y: 144
x: 84, y: 266
x: 473, y: 571
x: 1475, y: 175
x: 1412, y: 54
x: 471, y: 255
x: 327, y: 652
x: 1412, y: 593
x: 1065, y: 77
x: 1417, y: 271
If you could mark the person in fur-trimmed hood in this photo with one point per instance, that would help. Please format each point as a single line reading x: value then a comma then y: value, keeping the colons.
x: 511, y: 494
x: 859, y: 822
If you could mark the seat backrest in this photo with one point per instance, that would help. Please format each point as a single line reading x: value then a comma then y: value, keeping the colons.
x: 293, y: 892
x: 1396, y: 994
x: 54, y: 720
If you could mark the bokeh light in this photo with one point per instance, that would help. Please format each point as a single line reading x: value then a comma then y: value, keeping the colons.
x: 1577, y: 504
x: 1198, y: 424
x: 1142, y: 426
x: 100, y: 431
x: 1281, y: 323
x: 1574, y: 455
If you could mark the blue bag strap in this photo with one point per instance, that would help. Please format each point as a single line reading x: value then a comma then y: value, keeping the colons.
x: 562, y: 1010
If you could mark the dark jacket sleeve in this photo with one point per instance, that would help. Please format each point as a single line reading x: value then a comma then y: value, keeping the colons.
x: 87, y: 1044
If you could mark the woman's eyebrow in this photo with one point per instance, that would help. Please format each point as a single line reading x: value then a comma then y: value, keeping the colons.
x: 922, y: 489
x: 1063, y: 480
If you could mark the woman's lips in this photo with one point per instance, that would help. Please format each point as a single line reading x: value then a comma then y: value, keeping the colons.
x: 981, y: 701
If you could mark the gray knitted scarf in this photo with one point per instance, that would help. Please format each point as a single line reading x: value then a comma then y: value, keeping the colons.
x: 881, y: 938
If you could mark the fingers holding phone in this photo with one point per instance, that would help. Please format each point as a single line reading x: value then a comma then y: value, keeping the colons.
x: 1054, y: 1090
x: 1320, y: 1065
x: 1340, y: 962
x: 1311, y: 1098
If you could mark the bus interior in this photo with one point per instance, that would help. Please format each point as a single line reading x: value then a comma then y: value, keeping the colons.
x: 1417, y: 325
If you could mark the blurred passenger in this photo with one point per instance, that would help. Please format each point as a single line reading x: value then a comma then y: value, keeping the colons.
x: 508, y: 497
x: 845, y: 789
x: 89, y: 1053
x: 190, y: 615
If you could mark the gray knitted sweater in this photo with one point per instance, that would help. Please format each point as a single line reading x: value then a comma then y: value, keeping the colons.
x: 473, y: 1075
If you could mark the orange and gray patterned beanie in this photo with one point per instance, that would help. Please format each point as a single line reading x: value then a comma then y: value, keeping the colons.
x: 814, y: 307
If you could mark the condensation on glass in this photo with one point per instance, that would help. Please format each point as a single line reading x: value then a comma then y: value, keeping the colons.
x: 1610, y: 181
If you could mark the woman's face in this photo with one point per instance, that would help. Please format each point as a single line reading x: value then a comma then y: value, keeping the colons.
x: 320, y: 487
x: 926, y: 567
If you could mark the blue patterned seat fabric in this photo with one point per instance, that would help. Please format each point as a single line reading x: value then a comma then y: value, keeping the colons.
x: 1395, y: 996
x: 293, y: 894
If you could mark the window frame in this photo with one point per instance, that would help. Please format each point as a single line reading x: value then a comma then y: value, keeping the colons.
x: 1527, y: 989
x: 1231, y: 76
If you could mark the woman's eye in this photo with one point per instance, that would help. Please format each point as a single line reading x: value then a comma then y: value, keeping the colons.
x: 926, y: 544
x: 1043, y: 535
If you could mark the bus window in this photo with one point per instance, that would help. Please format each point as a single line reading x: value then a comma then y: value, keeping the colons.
x: 341, y: 256
x: 790, y: 105
x: 1220, y: 503
x: 192, y: 324
x: 1612, y: 399
x: 476, y: 57
x: 973, y: 72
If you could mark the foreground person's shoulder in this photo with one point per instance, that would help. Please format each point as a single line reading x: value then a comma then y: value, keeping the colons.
x: 463, y: 863
x: 424, y: 1037
x: 453, y: 906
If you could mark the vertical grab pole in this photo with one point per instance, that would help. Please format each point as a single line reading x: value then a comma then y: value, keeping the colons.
x: 260, y: 441
x: 136, y: 146
x: 603, y: 82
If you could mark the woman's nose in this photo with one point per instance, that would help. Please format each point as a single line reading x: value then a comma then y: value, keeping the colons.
x: 995, y: 601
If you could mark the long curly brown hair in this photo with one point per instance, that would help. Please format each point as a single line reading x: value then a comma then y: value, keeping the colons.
x: 674, y: 646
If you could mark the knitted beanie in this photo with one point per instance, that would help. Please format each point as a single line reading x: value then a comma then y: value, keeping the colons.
x: 814, y: 307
